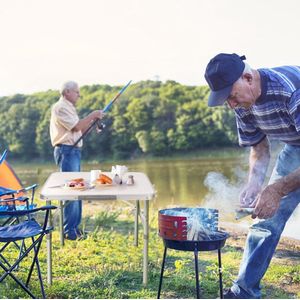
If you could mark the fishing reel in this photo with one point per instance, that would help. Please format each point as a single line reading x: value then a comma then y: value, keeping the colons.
x: 100, y: 126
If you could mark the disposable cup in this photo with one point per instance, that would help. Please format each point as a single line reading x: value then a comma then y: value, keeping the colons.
x: 94, y: 175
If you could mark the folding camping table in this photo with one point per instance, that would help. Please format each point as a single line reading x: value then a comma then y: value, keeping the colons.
x: 141, y: 190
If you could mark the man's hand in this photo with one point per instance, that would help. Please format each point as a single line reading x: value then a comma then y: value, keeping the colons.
x: 84, y: 124
x: 248, y: 195
x: 267, y: 202
x: 97, y: 114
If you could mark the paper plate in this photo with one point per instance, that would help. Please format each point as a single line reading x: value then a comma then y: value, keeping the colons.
x: 86, y: 186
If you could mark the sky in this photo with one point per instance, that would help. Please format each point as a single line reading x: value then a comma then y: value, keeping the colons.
x: 47, y: 42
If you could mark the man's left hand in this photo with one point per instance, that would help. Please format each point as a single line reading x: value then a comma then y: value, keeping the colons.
x: 267, y: 202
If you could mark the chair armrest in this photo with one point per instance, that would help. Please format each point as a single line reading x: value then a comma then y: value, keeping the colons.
x: 26, y: 189
x: 19, y: 213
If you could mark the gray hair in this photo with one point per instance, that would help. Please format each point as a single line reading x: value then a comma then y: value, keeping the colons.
x: 247, y: 69
x: 68, y: 85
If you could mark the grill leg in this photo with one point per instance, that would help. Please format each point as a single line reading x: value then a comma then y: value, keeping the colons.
x: 162, y: 272
x: 197, y: 273
x: 220, y: 274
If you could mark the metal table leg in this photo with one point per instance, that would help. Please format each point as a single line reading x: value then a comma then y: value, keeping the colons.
x: 49, y: 249
x: 146, y: 242
x: 61, y: 223
x: 136, y: 223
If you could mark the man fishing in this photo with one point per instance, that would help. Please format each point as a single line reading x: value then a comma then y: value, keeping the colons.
x: 65, y: 130
x: 266, y: 103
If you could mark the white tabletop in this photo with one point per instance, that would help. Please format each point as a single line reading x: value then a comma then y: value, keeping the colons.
x: 53, y: 189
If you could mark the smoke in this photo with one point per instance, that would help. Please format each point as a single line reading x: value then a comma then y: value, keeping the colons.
x: 223, y: 195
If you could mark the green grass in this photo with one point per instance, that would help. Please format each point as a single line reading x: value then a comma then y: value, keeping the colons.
x: 107, y: 265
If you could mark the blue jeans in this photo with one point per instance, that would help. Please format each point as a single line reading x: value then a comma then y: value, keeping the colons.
x: 68, y: 160
x: 264, y: 235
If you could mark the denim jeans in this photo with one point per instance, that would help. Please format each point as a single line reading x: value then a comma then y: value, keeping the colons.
x: 68, y: 160
x: 264, y: 235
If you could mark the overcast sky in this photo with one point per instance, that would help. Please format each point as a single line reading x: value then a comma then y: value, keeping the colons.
x: 46, y: 42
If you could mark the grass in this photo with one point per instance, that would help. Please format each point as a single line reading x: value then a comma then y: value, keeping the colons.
x: 107, y: 265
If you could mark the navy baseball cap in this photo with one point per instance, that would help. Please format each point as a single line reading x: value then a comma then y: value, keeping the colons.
x: 221, y: 73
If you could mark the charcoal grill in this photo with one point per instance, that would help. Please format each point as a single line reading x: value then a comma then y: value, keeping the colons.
x: 175, y: 227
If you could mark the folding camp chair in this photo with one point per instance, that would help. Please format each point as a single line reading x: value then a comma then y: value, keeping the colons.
x: 13, y: 197
x: 27, y: 228
x: 8, y: 202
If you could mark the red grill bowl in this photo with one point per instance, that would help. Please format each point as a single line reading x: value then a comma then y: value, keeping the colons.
x: 172, y: 227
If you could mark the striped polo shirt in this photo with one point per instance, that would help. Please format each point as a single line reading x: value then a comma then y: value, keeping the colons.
x: 276, y: 112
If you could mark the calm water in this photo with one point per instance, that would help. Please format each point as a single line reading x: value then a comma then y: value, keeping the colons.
x: 180, y: 183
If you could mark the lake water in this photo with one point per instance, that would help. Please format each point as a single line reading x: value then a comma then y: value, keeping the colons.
x: 206, y: 181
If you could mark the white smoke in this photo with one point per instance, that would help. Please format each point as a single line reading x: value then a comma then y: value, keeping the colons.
x: 223, y: 195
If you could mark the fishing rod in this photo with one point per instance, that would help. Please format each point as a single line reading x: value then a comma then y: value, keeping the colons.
x: 105, y: 109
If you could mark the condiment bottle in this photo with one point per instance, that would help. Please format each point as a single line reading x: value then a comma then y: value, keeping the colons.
x: 117, y: 179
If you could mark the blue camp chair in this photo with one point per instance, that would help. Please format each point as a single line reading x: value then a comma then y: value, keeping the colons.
x: 29, y: 229
x: 12, y: 203
x: 15, y: 200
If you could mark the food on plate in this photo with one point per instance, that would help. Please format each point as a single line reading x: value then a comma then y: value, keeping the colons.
x: 75, y: 183
x: 104, y: 179
x: 78, y: 179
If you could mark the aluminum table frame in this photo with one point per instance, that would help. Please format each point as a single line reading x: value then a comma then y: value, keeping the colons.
x: 142, y: 190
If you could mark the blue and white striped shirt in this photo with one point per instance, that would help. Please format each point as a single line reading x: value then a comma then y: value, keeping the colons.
x: 276, y: 112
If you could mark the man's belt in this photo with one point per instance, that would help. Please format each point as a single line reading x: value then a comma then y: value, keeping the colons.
x: 60, y: 145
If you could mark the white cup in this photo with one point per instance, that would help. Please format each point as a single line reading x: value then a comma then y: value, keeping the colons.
x: 94, y: 175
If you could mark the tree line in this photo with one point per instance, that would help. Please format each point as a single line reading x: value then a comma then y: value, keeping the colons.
x: 151, y: 117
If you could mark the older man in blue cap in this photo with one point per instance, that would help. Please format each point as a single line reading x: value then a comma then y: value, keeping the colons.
x: 266, y: 103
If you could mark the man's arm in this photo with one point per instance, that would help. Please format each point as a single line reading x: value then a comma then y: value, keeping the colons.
x: 269, y: 199
x: 258, y: 164
x: 84, y: 123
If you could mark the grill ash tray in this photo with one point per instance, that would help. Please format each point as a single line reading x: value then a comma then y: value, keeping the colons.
x: 201, y: 245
